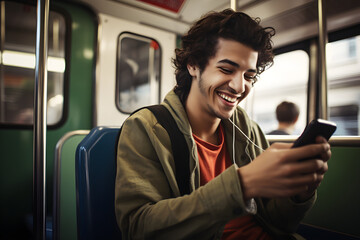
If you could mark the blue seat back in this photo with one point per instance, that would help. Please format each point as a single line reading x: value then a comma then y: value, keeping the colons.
x: 95, y: 168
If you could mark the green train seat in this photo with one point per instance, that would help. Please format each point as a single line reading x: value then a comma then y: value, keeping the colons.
x: 64, y: 195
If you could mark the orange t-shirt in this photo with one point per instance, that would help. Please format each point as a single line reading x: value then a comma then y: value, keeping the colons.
x: 213, y: 160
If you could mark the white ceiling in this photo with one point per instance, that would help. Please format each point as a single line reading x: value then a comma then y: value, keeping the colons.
x: 282, y: 14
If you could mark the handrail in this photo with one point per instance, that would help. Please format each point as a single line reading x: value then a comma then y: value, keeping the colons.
x: 335, y: 141
x: 57, y: 178
x: 234, y: 5
x: 323, y: 39
x: 2, y: 43
x: 39, y: 131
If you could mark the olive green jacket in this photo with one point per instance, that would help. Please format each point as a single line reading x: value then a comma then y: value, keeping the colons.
x: 148, y: 203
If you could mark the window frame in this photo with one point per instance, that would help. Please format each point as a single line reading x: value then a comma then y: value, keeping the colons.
x: 303, y: 46
x: 66, y: 74
x: 118, y: 51
x: 342, y: 34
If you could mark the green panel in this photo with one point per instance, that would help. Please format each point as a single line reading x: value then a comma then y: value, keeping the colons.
x: 15, y: 183
x: 16, y: 145
x: 68, y: 189
x: 338, y: 203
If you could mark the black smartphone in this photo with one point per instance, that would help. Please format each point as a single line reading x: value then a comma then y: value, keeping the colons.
x: 317, y: 127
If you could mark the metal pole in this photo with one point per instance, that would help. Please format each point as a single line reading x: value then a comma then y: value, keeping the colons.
x: 40, y: 99
x: 323, y: 113
x: 234, y: 5
x: 2, y: 80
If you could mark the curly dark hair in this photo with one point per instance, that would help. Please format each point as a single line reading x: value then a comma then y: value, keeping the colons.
x: 200, y: 43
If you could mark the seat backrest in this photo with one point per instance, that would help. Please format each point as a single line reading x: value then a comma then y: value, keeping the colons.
x: 95, y: 167
x: 64, y: 208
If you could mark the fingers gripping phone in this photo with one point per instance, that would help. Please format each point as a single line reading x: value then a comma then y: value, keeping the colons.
x: 317, y: 127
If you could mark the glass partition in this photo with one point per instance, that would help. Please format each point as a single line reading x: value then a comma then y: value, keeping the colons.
x: 138, y: 72
x: 17, y: 69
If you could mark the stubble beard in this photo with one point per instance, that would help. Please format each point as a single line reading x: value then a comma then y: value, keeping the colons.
x: 210, y: 108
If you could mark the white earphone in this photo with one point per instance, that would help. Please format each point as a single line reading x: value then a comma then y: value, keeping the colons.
x: 234, y: 126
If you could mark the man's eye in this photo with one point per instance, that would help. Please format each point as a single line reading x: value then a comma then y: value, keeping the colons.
x: 252, y: 79
x: 225, y: 70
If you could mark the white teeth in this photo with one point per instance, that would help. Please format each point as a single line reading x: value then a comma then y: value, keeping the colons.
x: 227, y: 98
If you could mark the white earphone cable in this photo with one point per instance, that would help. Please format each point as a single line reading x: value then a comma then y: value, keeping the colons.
x: 243, y: 135
x: 233, y: 143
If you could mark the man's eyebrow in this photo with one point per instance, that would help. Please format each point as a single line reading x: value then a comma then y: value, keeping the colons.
x: 229, y: 62
x: 235, y: 64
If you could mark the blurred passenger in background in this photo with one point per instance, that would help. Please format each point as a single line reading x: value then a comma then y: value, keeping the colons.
x: 287, y: 114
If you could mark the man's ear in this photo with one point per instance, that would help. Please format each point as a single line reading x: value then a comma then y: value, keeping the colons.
x: 192, y: 70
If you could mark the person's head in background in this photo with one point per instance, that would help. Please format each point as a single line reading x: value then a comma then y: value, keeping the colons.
x: 287, y: 114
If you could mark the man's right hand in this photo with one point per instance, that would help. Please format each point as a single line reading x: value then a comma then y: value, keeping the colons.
x: 281, y: 172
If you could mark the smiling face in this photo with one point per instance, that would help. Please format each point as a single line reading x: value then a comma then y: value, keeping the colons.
x: 226, y: 80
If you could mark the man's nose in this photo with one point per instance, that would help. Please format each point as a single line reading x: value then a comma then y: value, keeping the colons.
x: 237, y: 83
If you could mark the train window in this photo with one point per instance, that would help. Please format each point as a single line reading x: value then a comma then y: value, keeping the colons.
x: 343, y: 71
x: 17, y: 71
x: 286, y: 80
x: 138, y: 72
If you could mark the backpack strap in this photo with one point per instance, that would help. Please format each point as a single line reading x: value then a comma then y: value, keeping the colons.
x: 178, y: 144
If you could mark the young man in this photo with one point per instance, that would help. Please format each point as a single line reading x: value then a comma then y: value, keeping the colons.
x: 287, y: 114
x: 238, y: 190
